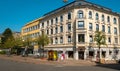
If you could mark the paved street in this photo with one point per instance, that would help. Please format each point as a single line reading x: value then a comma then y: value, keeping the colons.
x: 9, y: 65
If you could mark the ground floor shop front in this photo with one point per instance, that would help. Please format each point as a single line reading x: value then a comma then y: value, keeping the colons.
x: 86, y: 53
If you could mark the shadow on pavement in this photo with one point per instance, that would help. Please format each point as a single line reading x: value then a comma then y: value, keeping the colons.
x: 110, y: 66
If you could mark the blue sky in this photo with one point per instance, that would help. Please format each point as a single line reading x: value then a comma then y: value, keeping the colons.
x: 16, y: 13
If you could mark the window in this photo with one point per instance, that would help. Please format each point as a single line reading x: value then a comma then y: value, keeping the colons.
x: 69, y: 15
x: 69, y: 26
x: 56, y: 19
x: 97, y: 16
x: 116, y: 40
x: 109, y: 39
x: 90, y: 26
x: 48, y: 32
x: 38, y: 26
x: 48, y: 23
x: 80, y: 24
x: 103, y: 18
x: 69, y: 39
x: 109, y: 31
x: 91, y: 38
x: 61, y: 39
x: 51, y: 21
x: 51, y: 31
x: 61, y: 28
x: 51, y: 41
x: 90, y: 14
x: 56, y: 40
x: 115, y: 30
x: 103, y: 28
x: 56, y: 30
x: 43, y: 25
x: 61, y: 18
x: 80, y: 14
x: 97, y: 27
x: 114, y: 20
x: 108, y: 19
x: 81, y: 38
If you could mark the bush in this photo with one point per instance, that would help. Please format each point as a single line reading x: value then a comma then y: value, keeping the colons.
x: 2, y: 52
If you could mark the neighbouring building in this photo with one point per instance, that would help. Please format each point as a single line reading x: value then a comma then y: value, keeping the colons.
x: 30, y: 32
x: 71, y: 30
x: 16, y: 34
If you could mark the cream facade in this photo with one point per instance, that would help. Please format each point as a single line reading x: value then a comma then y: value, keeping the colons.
x: 72, y: 27
x: 71, y: 30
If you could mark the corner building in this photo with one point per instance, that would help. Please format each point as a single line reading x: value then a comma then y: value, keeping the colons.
x: 71, y: 30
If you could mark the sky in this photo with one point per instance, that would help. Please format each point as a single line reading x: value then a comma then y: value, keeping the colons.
x: 14, y: 14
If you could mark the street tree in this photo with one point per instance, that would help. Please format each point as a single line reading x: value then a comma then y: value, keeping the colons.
x: 10, y: 43
x: 27, y: 41
x: 100, y: 39
x: 18, y: 42
x: 7, y: 34
x: 42, y: 40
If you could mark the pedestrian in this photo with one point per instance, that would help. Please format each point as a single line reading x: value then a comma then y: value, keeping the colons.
x: 62, y: 56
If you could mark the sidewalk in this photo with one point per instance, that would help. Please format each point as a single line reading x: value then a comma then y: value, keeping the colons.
x: 44, y: 61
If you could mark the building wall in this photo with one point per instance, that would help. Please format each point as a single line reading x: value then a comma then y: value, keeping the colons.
x: 32, y: 29
x: 68, y: 46
x: 67, y: 39
x: 86, y: 30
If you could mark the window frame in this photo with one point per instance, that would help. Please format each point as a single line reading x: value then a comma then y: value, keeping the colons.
x: 79, y: 25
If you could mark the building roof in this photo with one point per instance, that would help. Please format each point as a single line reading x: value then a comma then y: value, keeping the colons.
x: 80, y: 3
x: 33, y: 21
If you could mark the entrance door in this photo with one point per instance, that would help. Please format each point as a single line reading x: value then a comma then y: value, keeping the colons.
x: 81, y: 54
x: 70, y: 54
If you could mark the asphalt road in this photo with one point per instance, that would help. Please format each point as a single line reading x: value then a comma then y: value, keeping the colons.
x: 8, y: 65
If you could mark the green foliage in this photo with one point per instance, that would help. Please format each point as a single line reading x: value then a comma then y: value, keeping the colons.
x: 2, y: 52
x: 10, y: 43
x: 18, y: 42
x: 43, y: 40
x: 100, y: 38
x: 27, y: 41
x: 7, y: 34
